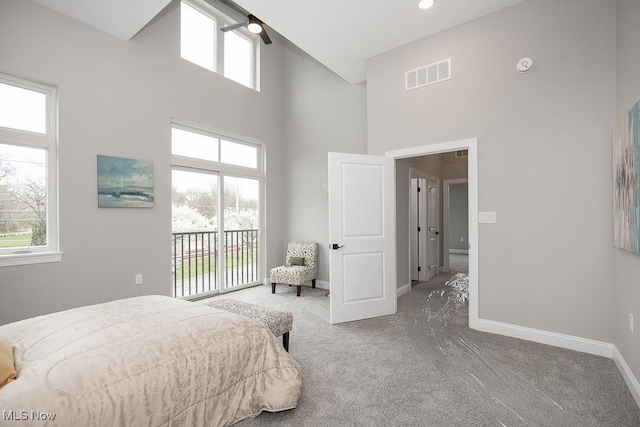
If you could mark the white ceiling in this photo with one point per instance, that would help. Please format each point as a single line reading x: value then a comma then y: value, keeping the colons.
x: 121, y: 18
x: 341, y: 34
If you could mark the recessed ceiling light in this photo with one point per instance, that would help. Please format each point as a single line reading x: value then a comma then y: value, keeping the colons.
x: 425, y: 4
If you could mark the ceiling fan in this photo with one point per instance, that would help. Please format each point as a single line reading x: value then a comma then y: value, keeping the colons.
x: 252, y: 23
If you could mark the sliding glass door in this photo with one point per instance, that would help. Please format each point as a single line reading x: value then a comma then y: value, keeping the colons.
x: 216, y: 213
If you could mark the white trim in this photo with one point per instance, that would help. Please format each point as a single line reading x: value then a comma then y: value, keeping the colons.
x: 32, y: 258
x: 405, y: 289
x: 629, y: 378
x: 458, y: 251
x: 570, y: 342
x: 322, y: 284
x: 47, y: 141
x: 470, y: 144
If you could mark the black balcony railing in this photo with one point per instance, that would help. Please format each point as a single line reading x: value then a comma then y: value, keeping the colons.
x: 195, y: 261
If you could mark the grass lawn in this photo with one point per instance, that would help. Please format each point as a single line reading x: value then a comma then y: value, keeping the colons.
x: 206, y: 265
x: 18, y: 240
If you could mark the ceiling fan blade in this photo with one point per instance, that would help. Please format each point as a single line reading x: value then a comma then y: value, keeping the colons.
x: 265, y: 36
x: 234, y: 26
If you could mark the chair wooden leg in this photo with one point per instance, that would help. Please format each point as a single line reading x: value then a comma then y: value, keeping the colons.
x: 285, y: 341
x: 298, y: 291
x: 273, y: 288
x: 313, y: 283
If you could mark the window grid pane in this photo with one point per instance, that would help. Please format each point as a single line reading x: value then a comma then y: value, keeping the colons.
x: 237, y: 58
x: 238, y: 154
x: 194, y: 145
x: 23, y: 109
x: 23, y: 196
x: 197, y: 37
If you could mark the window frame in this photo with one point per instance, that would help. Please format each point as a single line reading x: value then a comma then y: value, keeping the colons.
x: 49, y: 142
x: 222, y: 20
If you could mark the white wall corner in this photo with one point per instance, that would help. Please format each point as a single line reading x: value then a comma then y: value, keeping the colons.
x: 405, y: 289
x: 569, y: 342
x: 629, y: 378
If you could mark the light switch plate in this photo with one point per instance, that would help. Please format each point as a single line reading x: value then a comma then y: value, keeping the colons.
x: 487, y: 218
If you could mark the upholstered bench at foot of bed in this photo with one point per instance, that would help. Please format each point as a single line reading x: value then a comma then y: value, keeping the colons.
x: 278, y: 322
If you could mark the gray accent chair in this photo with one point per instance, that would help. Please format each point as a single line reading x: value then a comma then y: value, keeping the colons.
x: 297, y: 275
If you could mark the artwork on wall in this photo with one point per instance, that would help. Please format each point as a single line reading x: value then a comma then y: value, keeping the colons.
x: 626, y: 182
x: 124, y: 183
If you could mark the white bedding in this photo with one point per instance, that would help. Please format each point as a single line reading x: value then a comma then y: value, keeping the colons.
x: 146, y: 361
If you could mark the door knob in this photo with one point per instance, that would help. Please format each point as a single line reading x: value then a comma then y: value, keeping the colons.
x: 335, y: 246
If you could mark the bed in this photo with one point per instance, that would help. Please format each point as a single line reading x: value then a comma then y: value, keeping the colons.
x: 146, y: 361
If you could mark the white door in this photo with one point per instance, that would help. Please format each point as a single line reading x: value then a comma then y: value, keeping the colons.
x: 423, y: 264
x: 433, y: 225
x: 362, y: 251
x: 414, y: 229
x: 418, y: 229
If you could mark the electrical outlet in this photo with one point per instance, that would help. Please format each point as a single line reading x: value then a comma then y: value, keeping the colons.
x: 138, y: 279
x: 462, y: 239
x: 630, y: 322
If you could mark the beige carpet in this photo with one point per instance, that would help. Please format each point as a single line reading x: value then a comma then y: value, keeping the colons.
x: 403, y: 370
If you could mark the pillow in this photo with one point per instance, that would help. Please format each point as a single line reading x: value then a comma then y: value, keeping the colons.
x: 7, y: 367
x: 296, y: 260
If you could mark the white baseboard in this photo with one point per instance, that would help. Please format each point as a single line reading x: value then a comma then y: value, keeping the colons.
x: 319, y: 283
x: 404, y: 290
x: 323, y: 285
x: 584, y: 345
x: 459, y: 251
x: 628, y: 376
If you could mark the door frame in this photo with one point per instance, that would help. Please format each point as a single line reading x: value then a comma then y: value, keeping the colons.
x: 445, y: 220
x: 470, y: 144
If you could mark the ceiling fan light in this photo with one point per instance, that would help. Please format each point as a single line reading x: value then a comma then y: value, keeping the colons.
x: 425, y: 4
x: 254, y: 26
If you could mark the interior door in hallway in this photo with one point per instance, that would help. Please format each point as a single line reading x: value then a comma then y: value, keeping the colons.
x: 362, y: 255
x: 433, y: 223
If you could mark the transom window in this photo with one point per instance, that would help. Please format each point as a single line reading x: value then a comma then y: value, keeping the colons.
x: 28, y: 171
x: 233, y: 54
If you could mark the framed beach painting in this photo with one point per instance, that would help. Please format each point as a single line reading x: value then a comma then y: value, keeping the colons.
x: 124, y: 183
x: 626, y: 182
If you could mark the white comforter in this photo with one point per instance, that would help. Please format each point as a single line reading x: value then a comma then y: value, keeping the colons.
x: 146, y: 361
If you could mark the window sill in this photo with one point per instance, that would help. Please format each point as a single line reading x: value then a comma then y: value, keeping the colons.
x: 30, y: 258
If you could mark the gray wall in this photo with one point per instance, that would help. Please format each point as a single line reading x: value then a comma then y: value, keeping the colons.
x: 544, y: 148
x: 627, y: 265
x: 458, y: 216
x: 322, y: 113
x: 117, y: 98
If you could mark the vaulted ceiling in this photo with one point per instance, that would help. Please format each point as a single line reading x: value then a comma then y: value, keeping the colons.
x: 341, y: 34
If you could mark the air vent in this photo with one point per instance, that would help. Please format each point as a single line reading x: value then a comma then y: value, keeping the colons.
x: 428, y: 75
x: 462, y: 153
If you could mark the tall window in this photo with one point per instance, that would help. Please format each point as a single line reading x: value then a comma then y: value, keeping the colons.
x: 233, y: 54
x: 28, y: 172
x: 216, y: 211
